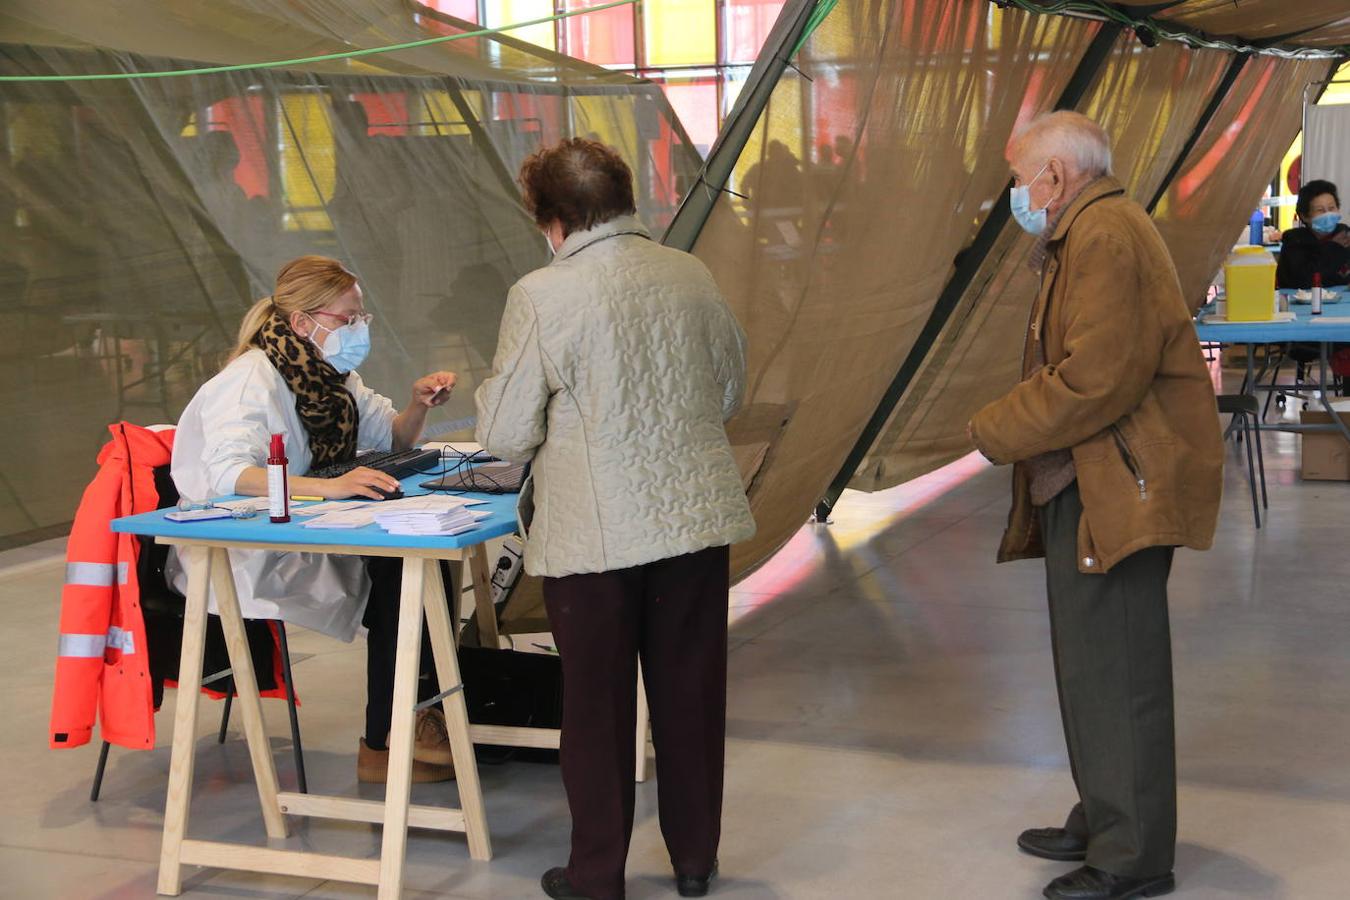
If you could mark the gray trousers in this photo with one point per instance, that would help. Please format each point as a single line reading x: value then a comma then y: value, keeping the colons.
x: 1113, y: 667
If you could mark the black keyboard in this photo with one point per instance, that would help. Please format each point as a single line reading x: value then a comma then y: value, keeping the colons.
x: 398, y: 463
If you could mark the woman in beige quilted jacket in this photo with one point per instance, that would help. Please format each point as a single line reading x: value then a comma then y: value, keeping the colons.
x: 617, y: 365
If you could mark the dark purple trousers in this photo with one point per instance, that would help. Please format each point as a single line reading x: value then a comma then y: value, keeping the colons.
x: 672, y: 613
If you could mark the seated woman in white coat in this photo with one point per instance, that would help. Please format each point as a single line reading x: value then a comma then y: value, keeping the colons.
x: 293, y: 373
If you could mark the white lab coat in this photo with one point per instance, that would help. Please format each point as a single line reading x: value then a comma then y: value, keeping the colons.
x: 225, y: 429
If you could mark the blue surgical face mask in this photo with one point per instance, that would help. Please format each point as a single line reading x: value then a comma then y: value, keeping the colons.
x: 1032, y: 220
x: 346, y: 347
x: 1325, y: 223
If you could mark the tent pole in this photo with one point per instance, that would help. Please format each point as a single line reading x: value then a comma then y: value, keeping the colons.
x: 478, y: 134
x: 1235, y: 66
x: 699, y: 202
x: 966, y: 270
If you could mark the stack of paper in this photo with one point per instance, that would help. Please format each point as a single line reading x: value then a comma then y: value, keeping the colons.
x: 360, y: 513
x: 351, y: 518
x: 330, y: 506
x: 451, y: 521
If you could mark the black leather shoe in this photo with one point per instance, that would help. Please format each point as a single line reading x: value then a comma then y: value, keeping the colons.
x: 1058, y: 844
x: 1088, y: 883
x: 556, y: 885
x: 695, y: 885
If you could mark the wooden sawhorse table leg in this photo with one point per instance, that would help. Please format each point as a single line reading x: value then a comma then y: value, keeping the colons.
x: 211, y: 567
x: 479, y: 570
x: 422, y: 589
x: 643, y: 725
x: 185, y: 724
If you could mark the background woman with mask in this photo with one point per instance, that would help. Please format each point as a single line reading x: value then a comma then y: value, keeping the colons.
x: 1321, y: 243
x: 293, y: 373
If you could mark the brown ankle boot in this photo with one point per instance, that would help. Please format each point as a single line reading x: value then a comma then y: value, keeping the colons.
x: 431, y: 740
x: 372, y: 767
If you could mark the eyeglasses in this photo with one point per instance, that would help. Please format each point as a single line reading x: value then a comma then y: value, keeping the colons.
x: 351, y: 319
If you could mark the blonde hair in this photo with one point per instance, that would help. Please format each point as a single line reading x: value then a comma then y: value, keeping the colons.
x: 305, y: 284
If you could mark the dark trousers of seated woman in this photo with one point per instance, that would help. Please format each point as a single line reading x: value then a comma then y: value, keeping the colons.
x: 381, y: 620
x: 673, y: 614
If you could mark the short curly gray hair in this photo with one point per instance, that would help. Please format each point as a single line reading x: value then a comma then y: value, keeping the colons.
x: 1071, y: 137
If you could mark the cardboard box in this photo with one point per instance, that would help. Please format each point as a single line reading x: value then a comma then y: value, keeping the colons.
x: 1326, y: 455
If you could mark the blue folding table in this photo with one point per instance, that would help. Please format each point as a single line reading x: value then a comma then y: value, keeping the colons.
x: 1332, y: 327
x: 204, y: 546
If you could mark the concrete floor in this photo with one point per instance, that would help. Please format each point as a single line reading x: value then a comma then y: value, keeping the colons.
x: 893, y: 725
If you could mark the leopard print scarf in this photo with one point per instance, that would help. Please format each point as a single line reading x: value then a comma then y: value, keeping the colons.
x: 327, y: 409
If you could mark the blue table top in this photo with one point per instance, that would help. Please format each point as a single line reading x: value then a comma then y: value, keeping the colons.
x: 501, y: 521
x: 1302, y: 329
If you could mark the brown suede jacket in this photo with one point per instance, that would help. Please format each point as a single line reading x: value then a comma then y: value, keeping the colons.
x: 1124, y: 387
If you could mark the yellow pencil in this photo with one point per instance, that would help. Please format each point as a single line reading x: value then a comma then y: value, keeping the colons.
x: 306, y: 498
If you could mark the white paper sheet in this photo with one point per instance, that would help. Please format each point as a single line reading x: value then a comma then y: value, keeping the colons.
x: 319, y: 509
x: 360, y: 513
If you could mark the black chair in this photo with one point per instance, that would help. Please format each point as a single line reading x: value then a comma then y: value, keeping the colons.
x: 1245, y: 425
x: 1302, y: 355
x: 162, y: 605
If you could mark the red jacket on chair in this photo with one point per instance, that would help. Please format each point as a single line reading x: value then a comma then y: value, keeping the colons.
x: 102, y: 663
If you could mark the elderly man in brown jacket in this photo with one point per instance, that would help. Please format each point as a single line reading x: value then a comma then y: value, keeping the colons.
x: 1118, y: 459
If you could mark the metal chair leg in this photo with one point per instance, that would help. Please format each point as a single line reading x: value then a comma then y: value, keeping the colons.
x: 296, y: 749
x: 225, y: 714
x: 1261, y: 468
x: 98, y: 772
x: 1251, y: 471
x: 1274, y: 382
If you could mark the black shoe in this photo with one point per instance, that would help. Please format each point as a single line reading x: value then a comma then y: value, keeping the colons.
x: 1088, y: 883
x: 556, y: 885
x: 695, y: 885
x: 1058, y: 844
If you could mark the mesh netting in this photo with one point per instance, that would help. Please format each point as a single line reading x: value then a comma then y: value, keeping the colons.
x: 872, y: 168
x: 140, y: 218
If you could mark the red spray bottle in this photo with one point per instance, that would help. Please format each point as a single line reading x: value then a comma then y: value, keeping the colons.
x: 278, y: 487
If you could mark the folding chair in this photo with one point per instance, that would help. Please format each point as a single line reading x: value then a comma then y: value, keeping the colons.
x: 1245, y: 424
x: 159, y: 599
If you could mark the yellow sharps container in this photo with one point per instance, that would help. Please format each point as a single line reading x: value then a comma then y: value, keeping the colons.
x: 1249, y: 277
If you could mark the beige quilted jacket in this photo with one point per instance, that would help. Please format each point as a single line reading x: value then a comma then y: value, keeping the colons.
x: 616, y: 366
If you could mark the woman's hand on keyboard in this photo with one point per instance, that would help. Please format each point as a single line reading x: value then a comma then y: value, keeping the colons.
x: 359, y: 482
